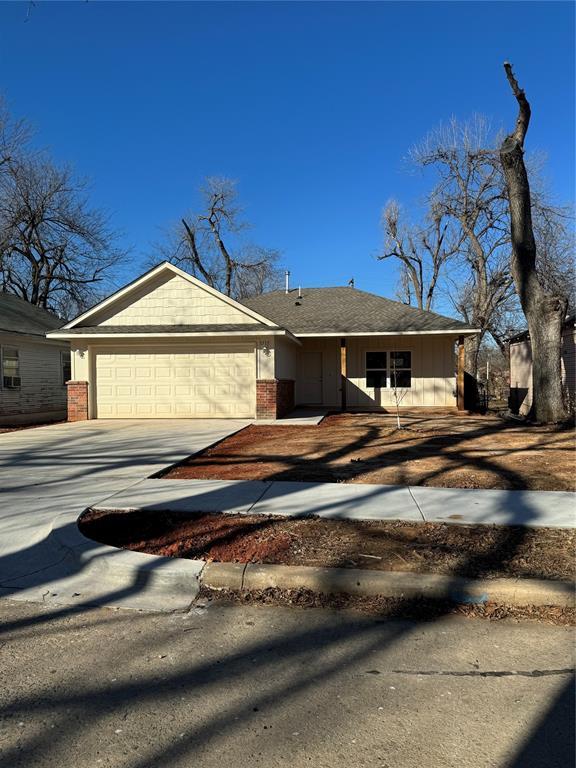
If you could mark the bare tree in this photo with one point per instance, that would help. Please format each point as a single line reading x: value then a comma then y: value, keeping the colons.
x: 469, y: 192
x: 495, y: 302
x: 14, y: 137
x: 404, y: 289
x: 545, y: 309
x: 208, y: 244
x: 55, y: 251
x: 421, y: 251
x: 555, y: 248
x: 494, y: 372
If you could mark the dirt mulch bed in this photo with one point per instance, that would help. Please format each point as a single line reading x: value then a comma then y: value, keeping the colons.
x: 442, y: 451
x: 472, y: 551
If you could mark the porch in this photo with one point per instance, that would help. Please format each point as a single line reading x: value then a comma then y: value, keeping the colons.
x: 376, y: 372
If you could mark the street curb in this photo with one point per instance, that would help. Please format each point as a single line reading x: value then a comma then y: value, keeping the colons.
x: 161, y: 574
x: 181, y: 575
x: 366, y: 583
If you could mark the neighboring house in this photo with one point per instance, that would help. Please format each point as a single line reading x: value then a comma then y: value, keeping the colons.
x: 169, y: 346
x: 34, y: 369
x: 520, y: 400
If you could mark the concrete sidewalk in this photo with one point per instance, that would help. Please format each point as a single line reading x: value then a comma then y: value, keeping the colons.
x: 360, y: 501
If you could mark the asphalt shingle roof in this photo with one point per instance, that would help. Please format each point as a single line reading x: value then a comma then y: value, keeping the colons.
x: 346, y: 310
x: 19, y: 316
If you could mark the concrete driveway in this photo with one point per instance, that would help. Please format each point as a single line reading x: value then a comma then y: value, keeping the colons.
x: 59, y: 470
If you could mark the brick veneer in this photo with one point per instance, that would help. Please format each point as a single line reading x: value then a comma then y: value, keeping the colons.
x: 77, y: 400
x: 274, y: 398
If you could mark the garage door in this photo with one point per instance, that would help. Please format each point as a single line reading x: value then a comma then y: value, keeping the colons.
x: 184, y: 383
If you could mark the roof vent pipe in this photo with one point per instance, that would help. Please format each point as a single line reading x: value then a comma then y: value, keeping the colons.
x: 299, y: 292
x: 287, y: 275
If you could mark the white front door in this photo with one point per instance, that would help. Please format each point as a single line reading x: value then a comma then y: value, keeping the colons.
x: 311, y: 377
x: 171, y: 383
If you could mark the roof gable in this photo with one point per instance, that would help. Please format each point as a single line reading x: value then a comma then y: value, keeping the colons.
x: 346, y: 310
x: 166, y: 295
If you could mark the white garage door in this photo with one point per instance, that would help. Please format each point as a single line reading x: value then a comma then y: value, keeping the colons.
x: 186, y: 383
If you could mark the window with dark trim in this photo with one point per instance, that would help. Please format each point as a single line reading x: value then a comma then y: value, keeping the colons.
x: 11, y: 368
x: 66, y: 366
x: 376, y: 369
x: 401, y: 370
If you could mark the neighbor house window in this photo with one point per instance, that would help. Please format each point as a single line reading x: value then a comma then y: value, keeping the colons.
x: 66, y: 367
x: 400, y: 370
x: 10, y: 368
x: 376, y: 369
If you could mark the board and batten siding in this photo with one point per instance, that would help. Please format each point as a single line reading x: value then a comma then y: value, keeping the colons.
x: 286, y: 359
x: 433, y: 371
x: 42, y: 394
x: 171, y: 300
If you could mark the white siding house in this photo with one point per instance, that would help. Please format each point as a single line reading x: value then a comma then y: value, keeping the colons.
x: 34, y: 369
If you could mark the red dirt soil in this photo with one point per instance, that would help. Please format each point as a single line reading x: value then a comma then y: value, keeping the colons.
x: 487, y: 551
x: 447, y: 451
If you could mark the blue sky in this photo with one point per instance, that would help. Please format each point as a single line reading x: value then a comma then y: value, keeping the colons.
x: 310, y: 106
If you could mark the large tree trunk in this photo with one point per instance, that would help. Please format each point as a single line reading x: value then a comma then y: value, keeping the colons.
x: 544, y: 312
x: 471, y: 352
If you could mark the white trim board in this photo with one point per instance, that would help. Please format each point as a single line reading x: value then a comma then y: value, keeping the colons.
x: 169, y: 335
x: 389, y: 333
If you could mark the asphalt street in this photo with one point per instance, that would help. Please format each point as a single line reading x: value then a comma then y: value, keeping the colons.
x: 266, y: 686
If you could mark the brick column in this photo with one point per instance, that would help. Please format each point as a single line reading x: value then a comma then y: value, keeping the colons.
x: 77, y: 400
x: 274, y: 398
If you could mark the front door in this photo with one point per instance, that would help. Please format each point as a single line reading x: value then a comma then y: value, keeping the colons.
x: 311, y: 377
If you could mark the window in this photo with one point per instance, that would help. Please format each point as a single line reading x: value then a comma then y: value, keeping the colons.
x: 397, y: 364
x: 10, y: 368
x: 401, y: 370
x: 66, y: 367
x: 376, y: 369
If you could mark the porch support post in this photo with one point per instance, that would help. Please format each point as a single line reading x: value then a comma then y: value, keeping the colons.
x: 460, y: 375
x: 343, y: 372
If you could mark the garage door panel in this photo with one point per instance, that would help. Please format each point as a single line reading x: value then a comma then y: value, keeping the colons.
x: 181, y: 384
x: 144, y: 410
x: 125, y: 410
